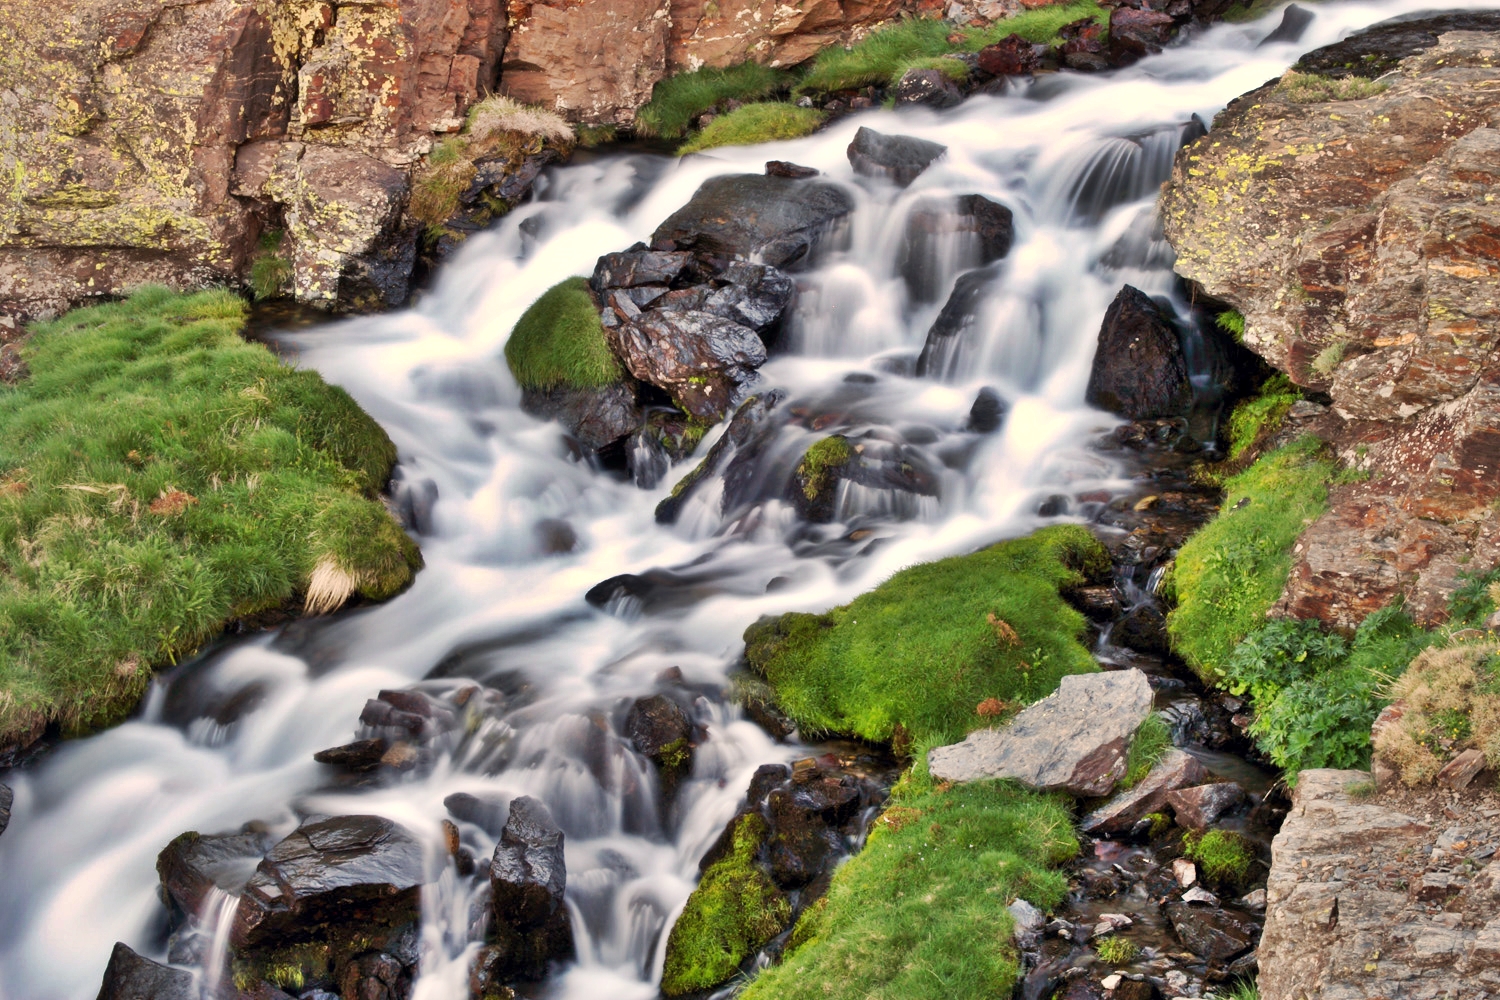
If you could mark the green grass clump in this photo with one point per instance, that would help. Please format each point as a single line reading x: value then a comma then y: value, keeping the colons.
x: 1230, y: 573
x: 1223, y: 856
x: 1114, y: 950
x: 1311, y: 88
x: 159, y: 477
x: 919, y: 653
x: 920, y: 913
x: 1255, y: 417
x: 752, y: 124
x: 820, y: 461
x: 1232, y: 322
x: 1152, y: 740
x: 677, y: 100
x: 559, y: 342
x: 270, y: 272
x: 734, y: 912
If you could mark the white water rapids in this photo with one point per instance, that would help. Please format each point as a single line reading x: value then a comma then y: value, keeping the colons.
x: 77, y: 866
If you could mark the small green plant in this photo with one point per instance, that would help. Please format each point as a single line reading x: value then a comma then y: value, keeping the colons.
x: 1152, y: 740
x: 270, y: 272
x: 1160, y: 823
x: 753, y: 124
x: 1312, y: 88
x: 440, y: 183
x: 1115, y: 950
x: 820, y: 462
x: 1232, y: 322
x: 677, y: 100
x: 1330, y: 357
x: 1260, y: 415
x: 559, y: 342
x: 1243, y: 989
x: 590, y: 136
x: 1223, y: 856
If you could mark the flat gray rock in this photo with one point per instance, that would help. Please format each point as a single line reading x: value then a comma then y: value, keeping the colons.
x: 1074, y: 740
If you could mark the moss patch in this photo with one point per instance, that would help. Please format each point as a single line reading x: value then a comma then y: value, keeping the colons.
x: 753, y: 124
x: 1258, y: 416
x: 820, y: 462
x: 1115, y: 950
x: 1311, y: 88
x: 160, y: 476
x: 1224, y: 857
x: 916, y: 654
x: 270, y: 272
x: 559, y: 342
x: 1230, y: 573
x: 735, y: 911
x: 678, y: 99
x: 920, y: 913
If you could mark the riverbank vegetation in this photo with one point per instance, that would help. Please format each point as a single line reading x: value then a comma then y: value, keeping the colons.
x: 678, y: 99
x: 752, y: 124
x: 160, y: 477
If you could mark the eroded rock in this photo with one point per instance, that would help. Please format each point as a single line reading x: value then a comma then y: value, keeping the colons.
x: 132, y: 977
x: 1197, y: 808
x: 528, y: 876
x: 776, y: 220
x: 1139, y: 372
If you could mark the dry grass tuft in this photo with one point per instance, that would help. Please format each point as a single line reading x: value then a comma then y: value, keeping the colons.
x: 1450, y: 700
x: 1310, y: 88
x: 501, y: 114
x: 329, y: 588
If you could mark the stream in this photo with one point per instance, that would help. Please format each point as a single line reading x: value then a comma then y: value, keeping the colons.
x: 515, y: 528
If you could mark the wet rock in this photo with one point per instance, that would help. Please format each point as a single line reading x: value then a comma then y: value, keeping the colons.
x: 751, y: 426
x: 1100, y: 603
x: 1144, y: 630
x: 1074, y: 740
x: 931, y: 223
x: 1084, y: 46
x: 637, y: 267
x: 488, y: 812
x: 1120, y: 814
x: 361, y: 755
x: 656, y: 724
x: 1029, y: 922
x: 697, y: 357
x: 346, y: 874
x: 191, y: 866
x: 1216, y: 935
x: 987, y: 413
x: 596, y: 416
x: 781, y: 168
x: 1198, y: 807
x: 7, y: 797
x: 1294, y: 21
x: 941, y: 350
x: 927, y: 88
x: 1011, y: 56
x: 1140, y: 32
x: 898, y: 158
x: 1139, y: 369
x: 815, y: 480
x: 528, y: 876
x: 776, y: 220
x: 131, y: 977
x: 754, y: 295
x: 376, y: 976
x: 1377, y: 50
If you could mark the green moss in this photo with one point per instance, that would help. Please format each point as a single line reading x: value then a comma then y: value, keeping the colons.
x: 923, y: 649
x: 1224, y: 856
x: 820, y: 461
x: 1160, y: 823
x: 590, y: 136
x: 1114, y: 950
x: 159, y: 477
x: 752, y: 124
x: 1311, y: 88
x: 1230, y: 573
x: 1260, y: 415
x: 1232, y: 322
x: 920, y: 913
x: 559, y: 342
x: 1152, y: 740
x: 676, y: 754
x: 734, y: 912
x: 677, y: 100
x: 270, y: 272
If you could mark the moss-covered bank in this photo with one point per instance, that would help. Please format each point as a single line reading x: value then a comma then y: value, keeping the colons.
x: 160, y: 477
x: 559, y: 342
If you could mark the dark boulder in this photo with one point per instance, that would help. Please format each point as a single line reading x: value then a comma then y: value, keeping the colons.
x: 361, y: 755
x: 637, y: 267
x: 131, y: 977
x: 7, y: 797
x: 1139, y: 369
x: 1138, y: 33
x: 933, y: 221
x: 1294, y: 21
x: 754, y: 295
x: 656, y: 724
x: 778, y: 220
x: 595, y: 416
x: 987, y: 413
x: 927, y: 88
x: 696, y: 356
x: 1143, y: 630
x: 806, y: 821
x: 940, y: 351
x: 899, y: 158
x: 375, y: 976
x: 193, y: 865
x: 1375, y: 51
x: 814, y: 484
x: 751, y: 427
x: 1212, y: 933
x: 353, y: 872
x: 1011, y: 56
x: 781, y: 168
x: 527, y: 879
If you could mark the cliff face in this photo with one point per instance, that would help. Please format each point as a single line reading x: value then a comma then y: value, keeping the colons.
x: 1353, y: 223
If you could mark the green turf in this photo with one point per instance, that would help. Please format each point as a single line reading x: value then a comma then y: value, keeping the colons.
x: 1152, y: 740
x: 160, y: 476
x: 912, y: 659
x: 753, y: 124
x: 1230, y: 573
x: 559, y: 342
x: 1256, y: 416
x: 677, y: 100
x: 920, y: 913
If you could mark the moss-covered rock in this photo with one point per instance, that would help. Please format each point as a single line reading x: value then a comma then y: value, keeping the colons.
x: 559, y: 342
x: 915, y: 657
x: 816, y: 478
x: 735, y: 911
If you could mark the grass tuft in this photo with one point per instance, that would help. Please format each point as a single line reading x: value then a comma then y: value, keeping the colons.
x: 270, y: 272
x: 753, y: 124
x: 920, y: 913
x: 1451, y: 700
x: 919, y: 652
x: 1311, y: 88
x: 1152, y: 740
x: 496, y: 114
x: 559, y: 342
x: 1231, y: 571
x: 677, y: 100
x: 1114, y: 950
x: 1232, y: 322
x: 1223, y: 856
x: 161, y: 477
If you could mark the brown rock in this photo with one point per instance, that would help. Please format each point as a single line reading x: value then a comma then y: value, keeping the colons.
x: 1139, y: 369
x: 1196, y: 808
x: 726, y: 32
x: 1011, y: 56
x: 1176, y: 769
x: 1461, y: 770
x: 1140, y: 32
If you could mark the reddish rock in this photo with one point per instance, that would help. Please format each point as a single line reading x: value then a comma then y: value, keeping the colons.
x: 1011, y: 56
x: 1140, y: 32
x: 726, y: 32
x: 1176, y: 769
x: 1461, y: 770
x: 1196, y: 808
x: 1084, y: 46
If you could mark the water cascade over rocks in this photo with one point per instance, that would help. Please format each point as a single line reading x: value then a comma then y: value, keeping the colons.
x: 470, y: 769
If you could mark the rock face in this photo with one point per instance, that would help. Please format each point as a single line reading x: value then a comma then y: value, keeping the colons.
x: 726, y: 32
x: 1357, y: 239
x: 193, y: 865
x: 1074, y: 740
x: 131, y: 977
x: 1140, y: 372
x: 898, y: 158
x: 150, y: 131
x: 527, y: 878
x: 1365, y: 900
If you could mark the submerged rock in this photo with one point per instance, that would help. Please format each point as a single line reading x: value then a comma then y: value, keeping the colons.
x: 932, y: 223
x: 941, y: 350
x: 595, y: 416
x: 1074, y: 740
x: 898, y: 158
x: 131, y: 977
x: 776, y: 220
x: 1140, y: 371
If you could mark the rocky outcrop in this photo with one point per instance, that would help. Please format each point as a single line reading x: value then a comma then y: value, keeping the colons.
x: 528, y: 876
x: 1120, y: 814
x: 1370, y: 897
x: 1074, y: 740
x: 158, y: 139
x: 1349, y: 221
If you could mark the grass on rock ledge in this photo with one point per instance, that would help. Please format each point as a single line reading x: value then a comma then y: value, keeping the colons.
x: 160, y: 477
x: 677, y: 100
x: 753, y: 124
x: 914, y: 659
x: 921, y: 913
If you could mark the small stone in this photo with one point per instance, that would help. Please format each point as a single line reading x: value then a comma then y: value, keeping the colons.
x: 1110, y: 981
x: 1254, y: 901
x: 1185, y: 872
x: 1197, y: 808
x: 1461, y: 770
x: 1028, y: 924
x: 1198, y: 894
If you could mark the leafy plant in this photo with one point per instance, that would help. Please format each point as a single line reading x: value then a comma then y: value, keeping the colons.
x: 1255, y: 417
x: 1232, y: 322
x: 1224, y: 856
x: 1115, y: 950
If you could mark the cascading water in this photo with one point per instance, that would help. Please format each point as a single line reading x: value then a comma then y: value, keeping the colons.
x: 229, y: 738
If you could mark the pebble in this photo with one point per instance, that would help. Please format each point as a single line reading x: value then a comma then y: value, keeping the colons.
x: 1111, y: 981
x: 1200, y: 895
x: 1185, y: 872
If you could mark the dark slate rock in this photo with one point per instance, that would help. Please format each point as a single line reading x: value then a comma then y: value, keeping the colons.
x: 7, y: 797
x: 361, y: 755
x: 1212, y: 934
x: 655, y: 723
x: 597, y: 417
x: 1294, y: 21
x: 695, y: 355
x: 348, y: 870
x: 1376, y: 50
x: 957, y: 316
x: 527, y: 879
x: 927, y: 88
x: 1140, y: 372
x: 776, y: 219
x: 1144, y: 630
x: 987, y: 413
x: 635, y: 267
x: 931, y: 221
x: 899, y: 158
x: 781, y: 168
x: 131, y: 977
x: 748, y: 430
x: 753, y: 295
x: 192, y: 865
